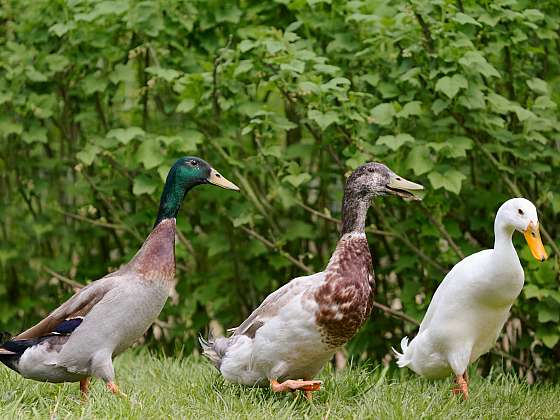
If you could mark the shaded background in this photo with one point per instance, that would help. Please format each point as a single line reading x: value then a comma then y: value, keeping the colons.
x: 285, y: 98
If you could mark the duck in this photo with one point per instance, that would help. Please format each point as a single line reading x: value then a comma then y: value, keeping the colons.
x: 80, y: 338
x: 472, y: 303
x: 298, y: 328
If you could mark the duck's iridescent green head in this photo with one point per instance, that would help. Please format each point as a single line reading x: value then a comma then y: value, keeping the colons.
x: 185, y: 174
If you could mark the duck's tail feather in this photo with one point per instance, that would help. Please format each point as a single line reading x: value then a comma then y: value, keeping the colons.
x: 404, y: 358
x: 214, y: 348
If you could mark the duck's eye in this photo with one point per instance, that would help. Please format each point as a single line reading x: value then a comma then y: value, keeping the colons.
x: 520, y: 212
x: 193, y: 163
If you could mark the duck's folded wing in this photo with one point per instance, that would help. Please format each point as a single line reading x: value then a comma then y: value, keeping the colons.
x: 77, y: 306
x: 275, y: 302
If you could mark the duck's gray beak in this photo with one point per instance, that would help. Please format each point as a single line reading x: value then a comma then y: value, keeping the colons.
x: 404, y: 188
x: 217, y: 179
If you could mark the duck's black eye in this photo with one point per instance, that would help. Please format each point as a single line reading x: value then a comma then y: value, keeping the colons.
x: 193, y: 162
x: 520, y: 212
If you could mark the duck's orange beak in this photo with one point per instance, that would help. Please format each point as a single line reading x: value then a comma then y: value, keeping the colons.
x: 533, y: 238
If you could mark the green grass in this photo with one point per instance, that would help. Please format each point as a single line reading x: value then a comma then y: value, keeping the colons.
x: 159, y: 387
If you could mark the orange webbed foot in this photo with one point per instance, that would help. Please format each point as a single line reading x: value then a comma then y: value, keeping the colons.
x: 462, y: 386
x: 292, y: 385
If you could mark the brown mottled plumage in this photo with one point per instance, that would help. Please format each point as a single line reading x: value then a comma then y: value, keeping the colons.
x: 346, y: 296
x: 298, y: 328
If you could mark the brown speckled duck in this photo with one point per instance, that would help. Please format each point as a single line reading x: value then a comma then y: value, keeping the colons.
x: 286, y: 341
x: 81, y: 337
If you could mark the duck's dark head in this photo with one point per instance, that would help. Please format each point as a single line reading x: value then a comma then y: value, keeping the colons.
x: 186, y: 173
x: 373, y: 179
x: 193, y: 171
x: 367, y: 182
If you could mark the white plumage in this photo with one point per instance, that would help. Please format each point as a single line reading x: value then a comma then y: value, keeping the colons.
x: 472, y: 304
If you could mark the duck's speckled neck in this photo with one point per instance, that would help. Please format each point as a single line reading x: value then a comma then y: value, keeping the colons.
x: 155, y: 261
x: 345, y: 299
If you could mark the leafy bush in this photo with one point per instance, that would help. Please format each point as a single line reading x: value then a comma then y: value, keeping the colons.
x: 285, y: 98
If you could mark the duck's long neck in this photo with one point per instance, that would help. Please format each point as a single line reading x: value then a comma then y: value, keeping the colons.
x: 503, y: 232
x: 172, y: 196
x: 354, y: 212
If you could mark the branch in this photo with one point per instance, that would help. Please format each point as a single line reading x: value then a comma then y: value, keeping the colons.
x: 72, y: 283
x: 91, y: 221
x: 275, y: 247
x: 441, y: 228
x: 396, y: 314
x: 425, y: 31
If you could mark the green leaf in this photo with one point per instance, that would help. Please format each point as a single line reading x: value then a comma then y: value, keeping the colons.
x: 523, y: 114
x: 450, y: 86
x: 123, y: 73
x: 243, y: 67
x: 188, y: 140
x: 464, y: 19
x: 246, y: 45
x: 297, y: 180
x: 538, y: 85
x: 382, y: 114
x: 548, y: 335
x: 419, y: 160
x: 125, y: 135
x: 298, y: 229
x: 323, y: 120
x: 93, y: 83
x: 472, y: 98
x: 458, y: 146
x: 439, y: 105
x: 474, y: 61
x: 395, y: 142
x: 411, y: 108
x: 544, y: 102
x: 144, y: 185
x: 451, y: 180
x: 150, y: 153
x: 35, y: 135
x: 186, y: 105
x: 547, y: 313
x: 498, y: 103
x: 88, y: 154
x: 8, y: 127
x: 166, y: 74
x: 59, y: 29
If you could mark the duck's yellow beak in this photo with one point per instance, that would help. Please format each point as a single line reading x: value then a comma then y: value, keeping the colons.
x: 217, y: 179
x: 533, y: 238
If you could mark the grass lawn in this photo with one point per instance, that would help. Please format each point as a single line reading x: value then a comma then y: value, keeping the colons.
x: 159, y: 387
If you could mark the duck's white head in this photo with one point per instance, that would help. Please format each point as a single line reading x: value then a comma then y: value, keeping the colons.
x: 521, y: 214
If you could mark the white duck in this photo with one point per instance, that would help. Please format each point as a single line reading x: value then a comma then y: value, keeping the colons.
x: 472, y: 304
x: 299, y: 327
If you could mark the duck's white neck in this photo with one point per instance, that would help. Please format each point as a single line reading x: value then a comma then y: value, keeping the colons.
x: 503, y: 232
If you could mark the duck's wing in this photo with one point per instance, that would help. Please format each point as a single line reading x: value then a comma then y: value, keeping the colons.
x: 276, y: 301
x: 74, y: 308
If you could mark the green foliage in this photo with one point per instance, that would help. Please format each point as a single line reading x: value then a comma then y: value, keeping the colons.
x: 99, y: 97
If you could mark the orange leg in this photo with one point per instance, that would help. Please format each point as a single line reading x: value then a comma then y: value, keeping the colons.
x: 111, y: 386
x: 292, y: 385
x: 462, y: 386
x: 84, y: 387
